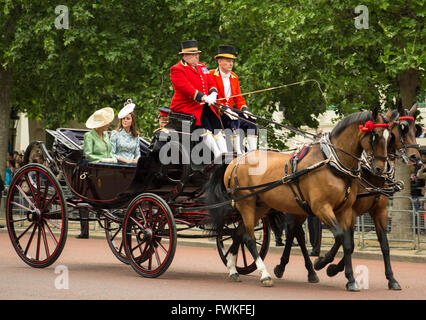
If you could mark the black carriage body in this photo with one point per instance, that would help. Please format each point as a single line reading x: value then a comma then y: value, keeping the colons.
x: 112, y: 185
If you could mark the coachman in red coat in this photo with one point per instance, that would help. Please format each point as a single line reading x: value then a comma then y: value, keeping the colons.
x: 229, y: 93
x: 195, y: 92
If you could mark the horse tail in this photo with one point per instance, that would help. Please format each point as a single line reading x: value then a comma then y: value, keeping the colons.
x: 216, y: 194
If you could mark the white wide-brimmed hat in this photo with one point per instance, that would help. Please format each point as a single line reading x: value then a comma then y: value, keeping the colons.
x: 100, y: 118
x: 129, y: 106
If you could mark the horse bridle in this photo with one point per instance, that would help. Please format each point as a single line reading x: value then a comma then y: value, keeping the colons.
x: 374, y: 137
x: 403, y: 127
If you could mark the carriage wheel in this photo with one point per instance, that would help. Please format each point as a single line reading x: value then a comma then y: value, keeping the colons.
x: 36, y: 216
x: 114, y: 236
x: 150, y: 236
x: 245, y: 263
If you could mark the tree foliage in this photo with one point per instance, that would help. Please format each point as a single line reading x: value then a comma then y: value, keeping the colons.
x: 114, y: 50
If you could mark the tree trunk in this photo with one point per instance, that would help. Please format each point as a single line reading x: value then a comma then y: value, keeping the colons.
x: 5, y: 88
x: 408, y: 83
x: 402, y: 223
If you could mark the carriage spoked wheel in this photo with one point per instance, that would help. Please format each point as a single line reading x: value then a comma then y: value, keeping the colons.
x: 114, y: 236
x: 150, y: 236
x: 245, y: 263
x: 36, y: 216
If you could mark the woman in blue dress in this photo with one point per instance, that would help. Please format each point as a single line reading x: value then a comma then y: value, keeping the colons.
x: 125, y: 139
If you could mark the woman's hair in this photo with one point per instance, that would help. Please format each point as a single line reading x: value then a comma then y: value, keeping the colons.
x: 133, y: 126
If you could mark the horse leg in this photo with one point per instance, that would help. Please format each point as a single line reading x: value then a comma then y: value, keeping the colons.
x: 380, y: 220
x: 334, y: 269
x: 279, y: 268
x: 251, y: 214
x: 300, y: 236
x: 348, y: 246
x: 321, y: 262
x: 237, y: 239
x: 341, y: 238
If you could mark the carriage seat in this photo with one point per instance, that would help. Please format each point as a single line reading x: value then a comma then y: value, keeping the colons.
x: 178, y: 121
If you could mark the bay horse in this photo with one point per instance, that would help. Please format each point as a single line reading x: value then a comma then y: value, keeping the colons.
x: 403, y: 139
x: 325, y: 179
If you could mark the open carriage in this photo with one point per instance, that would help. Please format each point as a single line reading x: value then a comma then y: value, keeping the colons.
x: 140, y: 207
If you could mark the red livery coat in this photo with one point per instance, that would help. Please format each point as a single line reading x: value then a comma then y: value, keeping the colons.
x: 190, y: 85
x: 239, y: 101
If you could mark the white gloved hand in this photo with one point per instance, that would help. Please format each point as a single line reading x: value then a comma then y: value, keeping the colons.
x: 231, y: 114
x: 248, y: 114
x: 211, y: 98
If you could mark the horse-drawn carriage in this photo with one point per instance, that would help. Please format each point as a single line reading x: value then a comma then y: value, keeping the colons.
x: 136, y: 205
x: 144, y: 208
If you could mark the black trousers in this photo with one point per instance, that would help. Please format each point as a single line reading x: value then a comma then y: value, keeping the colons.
x: 315, y: 233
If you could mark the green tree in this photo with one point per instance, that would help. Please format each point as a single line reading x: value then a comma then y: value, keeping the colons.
x: 114, y: 50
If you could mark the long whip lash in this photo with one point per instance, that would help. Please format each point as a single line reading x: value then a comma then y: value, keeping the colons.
x: 279, y: 87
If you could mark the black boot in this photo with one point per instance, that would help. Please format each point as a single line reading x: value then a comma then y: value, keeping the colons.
x: 84, y: 224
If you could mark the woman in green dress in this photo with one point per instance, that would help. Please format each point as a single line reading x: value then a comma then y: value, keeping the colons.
x: 97, y: 146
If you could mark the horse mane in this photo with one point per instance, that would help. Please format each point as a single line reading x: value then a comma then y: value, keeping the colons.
x: 358, y: 117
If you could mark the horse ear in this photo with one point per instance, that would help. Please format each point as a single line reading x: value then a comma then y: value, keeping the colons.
x: 400, y: 108
x: 413, y: 110
x: 390, y: 115
x: 375, y: 113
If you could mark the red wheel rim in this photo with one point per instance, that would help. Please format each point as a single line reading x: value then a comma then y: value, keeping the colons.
x: 36, y: 216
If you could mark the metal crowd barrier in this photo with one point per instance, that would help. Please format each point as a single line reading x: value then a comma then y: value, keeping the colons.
x: 416, y: 229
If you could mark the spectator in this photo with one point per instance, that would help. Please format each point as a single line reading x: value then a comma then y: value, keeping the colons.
x: 315, y: 235
x: 417, y: 190
x: 1, y: 193
x: 314, y: 224
x: 9, y: 172
x: 84, y: 223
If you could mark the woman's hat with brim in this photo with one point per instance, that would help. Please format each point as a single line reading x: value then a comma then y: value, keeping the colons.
x: 129, y: 106
x: 189, y: 46
x: 100, y: 118
x: 226, y: 52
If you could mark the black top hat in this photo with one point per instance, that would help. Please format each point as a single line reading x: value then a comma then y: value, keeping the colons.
x: 189, y: 46
x: 226, y: 52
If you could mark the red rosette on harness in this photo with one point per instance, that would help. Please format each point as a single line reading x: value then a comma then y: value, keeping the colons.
x: 370, y: 125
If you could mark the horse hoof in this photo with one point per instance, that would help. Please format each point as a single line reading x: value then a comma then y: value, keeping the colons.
x: 313, y: 278
x: 332, y: 270
x: 278, y: 271
x: 319, y: 263
x: 352, y: 286
x: 235, y: 277
x: 394, y: 286
x: 267, y: 282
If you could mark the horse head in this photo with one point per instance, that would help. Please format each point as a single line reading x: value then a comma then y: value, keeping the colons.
x: 403, y: 134
x: 374, y: 136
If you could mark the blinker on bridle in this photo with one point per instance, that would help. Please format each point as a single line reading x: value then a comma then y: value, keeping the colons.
x: 368, y: 127
x: 402, y: 131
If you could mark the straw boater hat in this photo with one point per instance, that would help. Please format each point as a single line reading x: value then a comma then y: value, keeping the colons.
x: 129, y: 106
x: 100, y: 118
x: 226, y: 52
x: 189, y: 46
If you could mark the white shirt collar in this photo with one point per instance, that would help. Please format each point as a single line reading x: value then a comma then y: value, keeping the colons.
x: 225, y: 75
